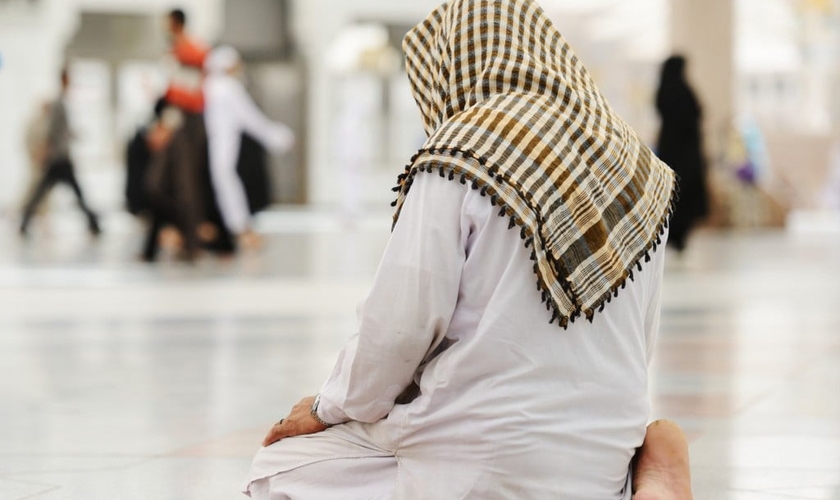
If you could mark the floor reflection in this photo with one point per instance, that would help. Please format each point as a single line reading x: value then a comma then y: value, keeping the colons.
x: 158, y: 382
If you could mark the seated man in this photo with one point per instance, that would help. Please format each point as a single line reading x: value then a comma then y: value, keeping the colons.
x: 503, y: 350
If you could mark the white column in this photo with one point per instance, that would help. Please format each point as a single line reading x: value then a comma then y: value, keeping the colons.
x: 316, y: 24
x: 703, y: 31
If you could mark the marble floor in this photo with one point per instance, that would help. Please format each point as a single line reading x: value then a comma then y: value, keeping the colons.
x: 120, y: 380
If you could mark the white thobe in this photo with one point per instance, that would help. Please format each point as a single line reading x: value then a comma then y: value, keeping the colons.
x: 230, y: 112
x: 510, y: 406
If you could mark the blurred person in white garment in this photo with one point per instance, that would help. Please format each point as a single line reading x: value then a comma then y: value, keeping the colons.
x: 503, y: 350
x: 229, y: 112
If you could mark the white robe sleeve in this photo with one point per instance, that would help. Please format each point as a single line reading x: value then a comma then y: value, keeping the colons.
x: 409, y: 307
x: 230, y: 112
x: 274, y: 136
x: 654, y: 300
x: 224, y: 147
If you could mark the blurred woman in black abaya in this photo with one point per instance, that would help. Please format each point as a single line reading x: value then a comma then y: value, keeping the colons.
x: 681, y: 147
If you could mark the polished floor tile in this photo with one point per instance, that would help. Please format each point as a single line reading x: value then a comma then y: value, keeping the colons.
x: 123, y: 380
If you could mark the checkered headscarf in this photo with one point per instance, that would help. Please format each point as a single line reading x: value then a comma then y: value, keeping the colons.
x: 510, y: 109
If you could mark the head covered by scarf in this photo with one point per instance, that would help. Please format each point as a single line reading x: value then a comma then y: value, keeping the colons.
x: 509, y: 109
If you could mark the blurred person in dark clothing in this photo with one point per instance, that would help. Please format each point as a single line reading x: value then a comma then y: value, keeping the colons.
x: 180, y: 194
x: 178, y: 180
x: 681, y: 147
x: 173, y: 188
x: 174, y: 181
x: 147, y: 142
x: 58, y: 165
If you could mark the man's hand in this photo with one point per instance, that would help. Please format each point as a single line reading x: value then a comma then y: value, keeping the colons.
x: 299, y: 423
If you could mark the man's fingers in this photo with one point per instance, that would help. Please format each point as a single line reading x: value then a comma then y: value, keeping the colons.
x: 272, y: 437
x: 298, y: 422
x: 278, y: 432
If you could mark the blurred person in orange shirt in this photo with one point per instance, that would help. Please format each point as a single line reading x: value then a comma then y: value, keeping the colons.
x: 179, y: 181
x: 188, y: 55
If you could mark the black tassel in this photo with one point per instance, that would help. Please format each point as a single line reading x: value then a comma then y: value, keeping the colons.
x: 639, y: 266
x: 475, y: 184
x: 512, y: 223
x: 503, y: 211
x: 451, y: 175
x: 564, y: 323
x: 590, y: 315
x: 493, y: 200
x: 647, y: 257
x: 632, y: 278
x: 529, y: 242
x: 396, y: 189
x: 484, y: 191
x: 394, y: 203
x: 603, y: 306
x: 463, y: 178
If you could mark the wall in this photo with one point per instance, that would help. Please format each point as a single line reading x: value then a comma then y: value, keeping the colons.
x: 703, y: 31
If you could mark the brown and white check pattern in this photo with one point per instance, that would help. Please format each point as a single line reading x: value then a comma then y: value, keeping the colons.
x: 510, y: 109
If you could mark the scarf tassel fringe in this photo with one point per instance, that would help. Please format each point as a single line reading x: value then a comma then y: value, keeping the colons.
x: 406, y: 179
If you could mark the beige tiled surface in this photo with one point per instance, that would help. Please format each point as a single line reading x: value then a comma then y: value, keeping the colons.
x: 121, y: 381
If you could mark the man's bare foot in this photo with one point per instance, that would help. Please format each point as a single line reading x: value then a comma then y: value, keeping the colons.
x: 207, y: 232
x: 170, y: 239
x: 250, y: 241
x: 662, y: 468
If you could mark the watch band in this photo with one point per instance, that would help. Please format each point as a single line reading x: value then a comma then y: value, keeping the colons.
x: 314, y: 412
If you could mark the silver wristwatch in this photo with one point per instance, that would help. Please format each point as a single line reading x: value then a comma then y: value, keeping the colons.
x: 314, y: 412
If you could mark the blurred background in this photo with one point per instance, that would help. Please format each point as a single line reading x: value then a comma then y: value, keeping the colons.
x: 762, y: 68
x: 163, y: 376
